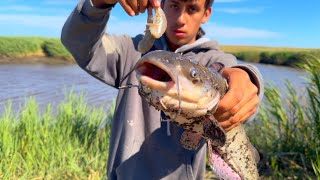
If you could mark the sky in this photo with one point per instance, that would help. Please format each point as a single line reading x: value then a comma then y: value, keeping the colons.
x: 276, y: 23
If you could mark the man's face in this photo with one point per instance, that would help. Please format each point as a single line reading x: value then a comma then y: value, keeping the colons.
x: 184, y: 19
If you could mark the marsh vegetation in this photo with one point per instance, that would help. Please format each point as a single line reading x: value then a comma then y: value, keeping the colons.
x: 67, y: 144
x: 287, y: 129
x: 18, y: 48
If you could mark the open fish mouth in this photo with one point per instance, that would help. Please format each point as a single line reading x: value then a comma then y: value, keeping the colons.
x: 155, y: 75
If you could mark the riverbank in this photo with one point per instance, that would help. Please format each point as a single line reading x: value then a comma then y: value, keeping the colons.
x: 33, y: 49
x: 50, y: 50
x: 35, y: 60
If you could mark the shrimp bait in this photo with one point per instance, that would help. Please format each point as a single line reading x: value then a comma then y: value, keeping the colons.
x: 155, y: 28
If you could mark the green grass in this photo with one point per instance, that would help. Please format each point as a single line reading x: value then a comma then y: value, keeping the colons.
x: 67, y: 144
x: 272, y: 55
x: 19, y: 47
x: 54, y: 48
x: 287, y: 130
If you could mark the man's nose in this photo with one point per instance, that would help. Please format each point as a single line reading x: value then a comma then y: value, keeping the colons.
x: 181, y: 18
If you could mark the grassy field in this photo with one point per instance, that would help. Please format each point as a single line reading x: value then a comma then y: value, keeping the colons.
x: 272, y: 55
x: 22, y: 47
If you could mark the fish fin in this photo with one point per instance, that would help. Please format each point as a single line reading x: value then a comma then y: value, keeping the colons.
x: 213, y: 131
x: 219, y: 166
x: 217, y: 66
x: 190, y: 140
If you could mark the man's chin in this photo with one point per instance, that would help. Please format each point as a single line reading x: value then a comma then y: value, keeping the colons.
x: 178, y: 42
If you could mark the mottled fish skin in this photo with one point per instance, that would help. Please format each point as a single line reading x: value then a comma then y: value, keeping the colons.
x: 238, y: 153
x: 194, y: 111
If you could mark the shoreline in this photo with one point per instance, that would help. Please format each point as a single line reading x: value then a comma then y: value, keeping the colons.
x: 35, y: 60
x: 57, y: 61
x: 42, y: 59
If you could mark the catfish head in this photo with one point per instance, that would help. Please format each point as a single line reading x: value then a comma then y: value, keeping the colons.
x: 179, y: 85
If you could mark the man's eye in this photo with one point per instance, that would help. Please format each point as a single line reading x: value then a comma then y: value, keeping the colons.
x: 192, y: 10
x: 173, y: 6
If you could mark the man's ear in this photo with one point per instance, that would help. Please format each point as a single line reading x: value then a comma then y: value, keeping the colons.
x: 206, y: 15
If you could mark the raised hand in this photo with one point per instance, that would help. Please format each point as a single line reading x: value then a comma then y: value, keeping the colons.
x: 132, y: 7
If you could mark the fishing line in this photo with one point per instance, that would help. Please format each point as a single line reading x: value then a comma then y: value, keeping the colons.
x: 126, y: 76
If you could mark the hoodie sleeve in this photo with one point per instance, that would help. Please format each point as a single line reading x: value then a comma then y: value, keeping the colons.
x: 103, y: 56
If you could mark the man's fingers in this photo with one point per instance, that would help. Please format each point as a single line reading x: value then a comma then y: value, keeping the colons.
x: 229, y: 100
x: 244, y: 118
x: 226, y: 111
x: 238, y: 81
x: 134, y: 7
x: 143, y: 4
x: 127, y: 7
x: 243, y: 114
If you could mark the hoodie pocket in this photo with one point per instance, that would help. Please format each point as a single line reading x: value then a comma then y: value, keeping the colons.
x: 153, y: 161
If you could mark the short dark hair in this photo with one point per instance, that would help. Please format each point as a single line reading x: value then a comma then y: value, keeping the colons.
x: 201, y: 32
x: 208, y: 4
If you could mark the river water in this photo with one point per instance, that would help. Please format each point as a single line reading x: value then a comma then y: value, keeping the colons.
x: 48, y: 83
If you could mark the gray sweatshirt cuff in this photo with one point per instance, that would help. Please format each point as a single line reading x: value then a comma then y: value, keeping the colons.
x: 86, y: 7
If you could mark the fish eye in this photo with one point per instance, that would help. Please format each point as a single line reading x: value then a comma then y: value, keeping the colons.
x: 193, y: 73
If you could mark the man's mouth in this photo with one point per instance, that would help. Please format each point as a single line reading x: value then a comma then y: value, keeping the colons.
x: 179, y: 33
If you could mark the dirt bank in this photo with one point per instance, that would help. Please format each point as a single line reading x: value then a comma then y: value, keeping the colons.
x: 35, y: 60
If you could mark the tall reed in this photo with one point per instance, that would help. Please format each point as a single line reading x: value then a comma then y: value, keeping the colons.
x: 67, y: 144
x: 287, y: 129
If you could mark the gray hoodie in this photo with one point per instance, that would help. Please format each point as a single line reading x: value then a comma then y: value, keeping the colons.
x: 141, y: 146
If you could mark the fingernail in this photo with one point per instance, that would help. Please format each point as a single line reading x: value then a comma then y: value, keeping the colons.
x: 132, y: 13
x: 157, y: 3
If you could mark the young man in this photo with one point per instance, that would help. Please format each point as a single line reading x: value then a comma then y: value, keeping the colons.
x: 140, y: 147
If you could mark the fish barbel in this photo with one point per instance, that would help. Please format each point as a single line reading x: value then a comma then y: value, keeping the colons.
x: 188, y: 93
